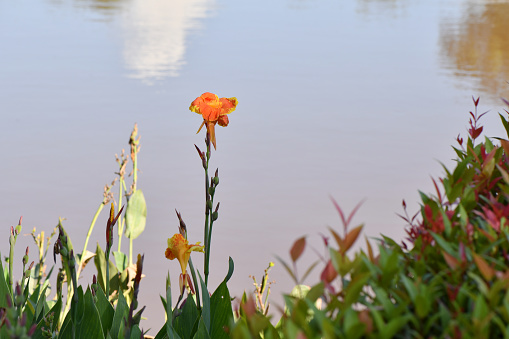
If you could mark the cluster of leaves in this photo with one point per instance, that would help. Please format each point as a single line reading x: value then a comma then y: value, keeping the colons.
x: 449, y: 278
x: 106, y: 309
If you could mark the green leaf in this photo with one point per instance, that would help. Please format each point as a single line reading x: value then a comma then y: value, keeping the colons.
x: 135, y: 215
x: 230, y: 269
x: 446, y: 246
x: 88, y: 324
x: 220, y: 311
x: 121, y: 313
x: 4, y: 289
x: 288, y: 269
x: 120, y: 260
x: 100, y: 264
x: 135, y: 332
x: 184, y: 323
x: 105, y: 310
x: 205, y: 313
x: 505, y: 123
x: 56, y: 311
x: 201, y: 332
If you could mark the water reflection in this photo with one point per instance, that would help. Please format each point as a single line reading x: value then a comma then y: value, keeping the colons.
x: 104, y: 6
x: 392, y: 8
x: 478, y: 47
x: 155, y: 35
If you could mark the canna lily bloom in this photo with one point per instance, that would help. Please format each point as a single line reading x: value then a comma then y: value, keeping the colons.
x: 178, y: 247
x: 213, y: 110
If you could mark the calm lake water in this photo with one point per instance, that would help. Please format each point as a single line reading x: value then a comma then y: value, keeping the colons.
x: 354, y: 99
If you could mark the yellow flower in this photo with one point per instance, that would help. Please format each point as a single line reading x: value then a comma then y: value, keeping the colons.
x: 179, y: 247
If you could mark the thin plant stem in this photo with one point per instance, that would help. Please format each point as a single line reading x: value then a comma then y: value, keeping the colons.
x: 90, y: 229
x: 130, y: 251
x: 107, y: 274
x: 207, y: 214
x: 11, y: 259
x: 120, y: 224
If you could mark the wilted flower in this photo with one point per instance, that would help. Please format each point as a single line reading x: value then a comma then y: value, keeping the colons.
x: 213, y: 110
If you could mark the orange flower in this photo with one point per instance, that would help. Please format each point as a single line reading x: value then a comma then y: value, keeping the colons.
x: 213, y: 110
x: 178, y: 247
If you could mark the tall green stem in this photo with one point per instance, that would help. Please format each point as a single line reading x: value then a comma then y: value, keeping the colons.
x: 90, y: 229
x: 120, y: 224
x: 130, y: 251
x: 107, y: 274
x: 208, y: 208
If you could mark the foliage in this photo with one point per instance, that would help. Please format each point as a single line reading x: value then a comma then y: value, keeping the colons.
x: 448, y: 279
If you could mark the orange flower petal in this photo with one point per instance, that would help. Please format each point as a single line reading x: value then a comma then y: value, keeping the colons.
x: 223, y: 120
x: 212, y: 132
x: 228, y: 105
x: 213, y: 110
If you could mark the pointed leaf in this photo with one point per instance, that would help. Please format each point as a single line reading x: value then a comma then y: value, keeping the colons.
x: 351, y: 237
x: 298, y: 247
x: 486, y: 270
x: 450, y: 260
x: 220, y: 312
x: 231, y: 267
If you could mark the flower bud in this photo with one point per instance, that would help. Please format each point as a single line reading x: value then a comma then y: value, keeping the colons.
x: 216, y: 180
x: 214, y: 216
x: 209, y: 205
x: 212, y: 190
x: 64, y: 252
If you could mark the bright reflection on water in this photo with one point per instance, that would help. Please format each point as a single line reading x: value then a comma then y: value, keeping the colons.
x: 356, y: 99
x: 155, y: 36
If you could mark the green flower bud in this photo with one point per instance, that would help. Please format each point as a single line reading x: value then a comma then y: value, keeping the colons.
x: 64, y: 252
x: 214, y: 216
x: 216, y: 181
x: 212, y: 190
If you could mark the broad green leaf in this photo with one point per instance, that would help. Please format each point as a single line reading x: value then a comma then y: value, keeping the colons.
x: 201, y: 332
x: 135, y: 332
x: 205, y: 313
x: 56, y: 311
x: 90, y: 324
x: 105, y: 310
x: 121, y: 313
x: 120, y: 260
x: 184, y: 323
x: 135, y: 215
x: 100, y: 264
x: 221, y: 313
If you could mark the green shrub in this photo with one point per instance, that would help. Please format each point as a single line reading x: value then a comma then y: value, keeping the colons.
x: 448, y: 279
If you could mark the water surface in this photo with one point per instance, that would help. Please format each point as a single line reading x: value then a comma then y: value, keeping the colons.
x: 356, y: 99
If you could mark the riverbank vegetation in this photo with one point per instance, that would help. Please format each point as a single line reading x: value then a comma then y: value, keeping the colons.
x: 449, y: 278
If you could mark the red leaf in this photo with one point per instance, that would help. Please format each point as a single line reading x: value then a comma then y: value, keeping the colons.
x: 350, y: 238
x: 298, y: 248
x: 486, y: 270
x: 450, y: 260
x: 328, y: 273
